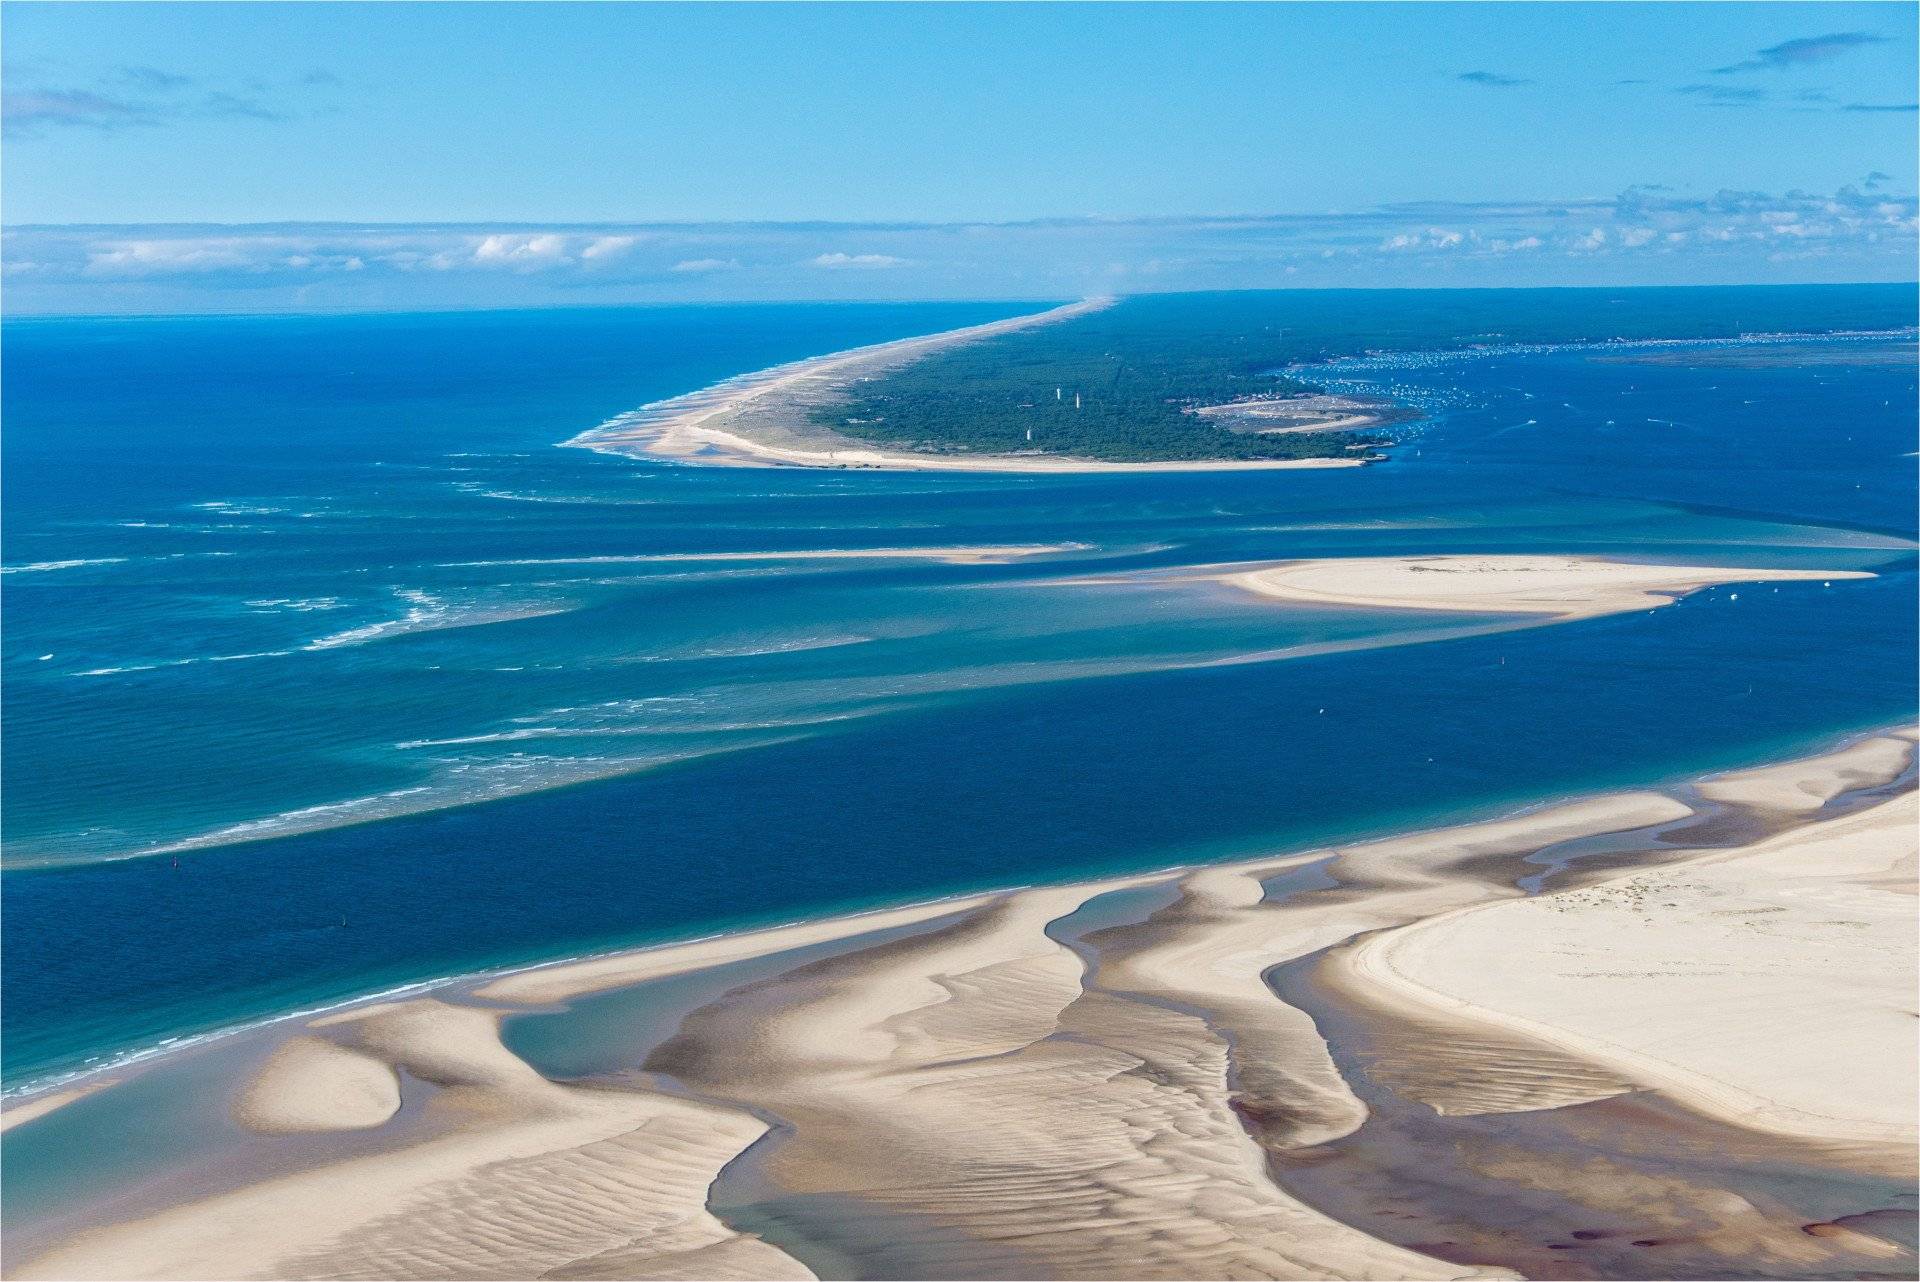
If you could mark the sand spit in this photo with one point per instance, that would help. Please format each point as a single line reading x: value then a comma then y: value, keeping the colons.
x: 764, y: 419
x: 1804, y: 786
x: 46, y: 1102
x: 1382, y: 1060
x: 1566, y: 587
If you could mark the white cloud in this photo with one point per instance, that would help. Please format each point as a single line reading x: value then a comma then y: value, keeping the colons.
x: 603, y: 248
x: 205, y: 255
x: 150, y: 257
x: 526, y: 252
x: 1677, y: 235
x: 840, y: 262
x: 1432, y: 238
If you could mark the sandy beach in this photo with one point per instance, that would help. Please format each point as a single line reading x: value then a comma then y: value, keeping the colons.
x: 763, y: 419
x: 1689, y: 1053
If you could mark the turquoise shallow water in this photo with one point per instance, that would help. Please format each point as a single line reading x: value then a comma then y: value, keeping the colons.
x: 314, y: 607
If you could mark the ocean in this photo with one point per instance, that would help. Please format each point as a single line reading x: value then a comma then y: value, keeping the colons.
x: 326, y: 672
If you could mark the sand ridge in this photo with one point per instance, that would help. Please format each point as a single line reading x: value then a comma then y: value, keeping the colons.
x: 560, y: 1177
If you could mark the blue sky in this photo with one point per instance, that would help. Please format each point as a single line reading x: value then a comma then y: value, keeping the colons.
x: 212, y: 156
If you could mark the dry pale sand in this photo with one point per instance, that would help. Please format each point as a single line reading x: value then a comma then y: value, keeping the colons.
x: 1772, y: 985
x: 311, y: 1084
x: 1567, y: 587
x: 1806, y: 785
x: 520, y: 1177
x: 1220, y: 1089
x: 763, y: 419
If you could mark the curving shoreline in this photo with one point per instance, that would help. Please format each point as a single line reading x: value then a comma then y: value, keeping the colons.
x: 910, y: 1070
x: 760, y: 419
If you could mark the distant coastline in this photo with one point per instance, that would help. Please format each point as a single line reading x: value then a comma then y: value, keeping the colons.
x: 764, y: 419
x: 1226, y: 391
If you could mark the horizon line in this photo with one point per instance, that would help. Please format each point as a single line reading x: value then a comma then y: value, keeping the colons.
x: 11, y: 316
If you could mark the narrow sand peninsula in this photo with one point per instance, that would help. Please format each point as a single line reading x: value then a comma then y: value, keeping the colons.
x: 46, y: 1102
x: 1382, y: 1060
x: 1566, y: 587
x: 1804, y: 786
x: 764, y: 419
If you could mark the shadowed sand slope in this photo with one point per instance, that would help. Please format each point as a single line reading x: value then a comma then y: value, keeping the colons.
x: 1383, y: 1060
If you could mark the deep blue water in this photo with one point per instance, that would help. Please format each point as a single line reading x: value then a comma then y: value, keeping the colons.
x: 331, y: 578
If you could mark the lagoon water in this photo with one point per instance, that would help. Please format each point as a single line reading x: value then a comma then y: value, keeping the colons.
x: 326, y: 672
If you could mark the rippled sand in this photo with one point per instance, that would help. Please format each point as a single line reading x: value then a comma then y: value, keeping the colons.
x: 1684, y: 1057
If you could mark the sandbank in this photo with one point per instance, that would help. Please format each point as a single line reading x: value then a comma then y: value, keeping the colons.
x: 976, y: 554
x: 1807, y: 785
x: 1566, y: 587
